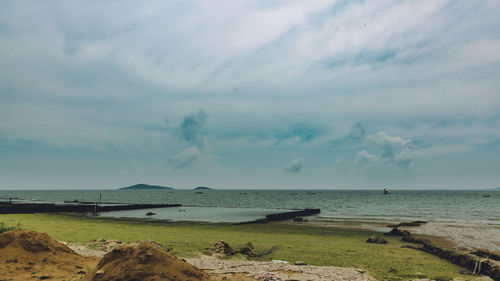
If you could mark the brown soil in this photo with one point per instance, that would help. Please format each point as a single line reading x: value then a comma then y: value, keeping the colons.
x: 30, y: 255
x: 144, y: 262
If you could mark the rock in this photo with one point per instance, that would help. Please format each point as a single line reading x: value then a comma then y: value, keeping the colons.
x: 222, y: 248
x: 300, y: 263
x: 150, y: 214
x: 398, y: 232
x: 43, y: 277
x: 376, y: 240
x: 411, y: 239
x: 247, y: 250
x: 298, y: 219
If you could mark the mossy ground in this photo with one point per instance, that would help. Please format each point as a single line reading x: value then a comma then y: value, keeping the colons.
x: 312, y: 244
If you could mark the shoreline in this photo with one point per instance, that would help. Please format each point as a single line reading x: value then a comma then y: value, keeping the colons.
x: 314, y: 245
x: 320, y: 245
x: 460, y: 236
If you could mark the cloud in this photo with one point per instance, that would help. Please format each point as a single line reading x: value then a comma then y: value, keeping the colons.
x: 185, y: 158
x: 365, y: 159
x: 295, y: 166
x: 317, y: 78
x: 303, y: 132
x: 191, y: 128
x: 390, y: 145
x: 395, y: 150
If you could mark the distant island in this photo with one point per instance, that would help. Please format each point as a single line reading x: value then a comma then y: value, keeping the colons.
x: 143, y: 186
x: 202, y: 188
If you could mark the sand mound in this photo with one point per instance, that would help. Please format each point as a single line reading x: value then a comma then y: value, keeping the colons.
x: 30, y: 255
x: 144, y: 262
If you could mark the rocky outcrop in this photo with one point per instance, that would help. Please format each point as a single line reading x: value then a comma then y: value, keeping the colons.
x: 397, y: 232
x: 221, y: 248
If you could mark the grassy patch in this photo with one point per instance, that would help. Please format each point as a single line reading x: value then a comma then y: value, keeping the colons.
x: 4, y: 228
x: 314, y: 245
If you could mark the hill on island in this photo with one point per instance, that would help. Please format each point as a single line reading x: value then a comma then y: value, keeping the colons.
x: 143, y: 186
x: 202, y: 188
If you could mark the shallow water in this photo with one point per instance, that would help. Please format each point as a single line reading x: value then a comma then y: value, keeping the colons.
x: 206, y: 214
x: 400, y: 205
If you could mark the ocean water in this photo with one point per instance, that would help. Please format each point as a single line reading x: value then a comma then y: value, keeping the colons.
x: 241, y: 205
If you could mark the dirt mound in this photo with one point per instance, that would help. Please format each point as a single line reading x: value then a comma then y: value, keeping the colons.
x: 33, y: 255
x: 144, y: 262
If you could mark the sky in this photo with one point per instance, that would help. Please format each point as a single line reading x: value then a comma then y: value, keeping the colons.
x: 250, y: 94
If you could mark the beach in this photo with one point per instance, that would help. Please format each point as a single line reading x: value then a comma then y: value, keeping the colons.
x: 337, y: 247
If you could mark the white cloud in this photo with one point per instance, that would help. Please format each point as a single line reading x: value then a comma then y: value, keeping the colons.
x: 391, y: 146
x: 393, y: 150
x: 365, y: 159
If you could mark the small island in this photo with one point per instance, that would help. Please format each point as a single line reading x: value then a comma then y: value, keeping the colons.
x: 143, y: 186
x: 203, y: 188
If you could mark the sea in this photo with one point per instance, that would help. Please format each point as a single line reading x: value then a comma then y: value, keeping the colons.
x: 457, y: 206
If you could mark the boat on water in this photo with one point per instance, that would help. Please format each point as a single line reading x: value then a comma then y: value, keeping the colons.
x: 386, y: 191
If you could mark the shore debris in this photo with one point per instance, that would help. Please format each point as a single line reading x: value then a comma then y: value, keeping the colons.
x: 104, y: 245
x: 223, y: 249
x: 247, y: 250
x: 267, y: 276
x: 376, y: 240
x: 145, y: 262
x: 25, y: 255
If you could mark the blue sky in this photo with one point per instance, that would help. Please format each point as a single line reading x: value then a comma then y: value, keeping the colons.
x: 250, y: 94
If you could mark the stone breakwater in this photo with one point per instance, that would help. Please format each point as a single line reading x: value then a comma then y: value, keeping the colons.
x: 479, y: 262
x: 285, y: 216
x: 27, y: 208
